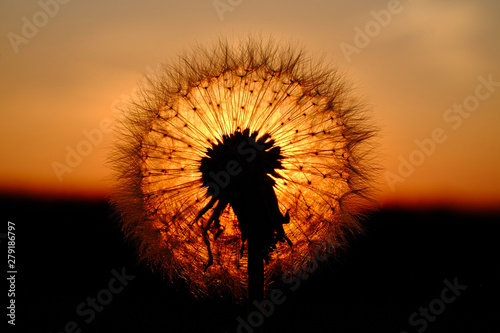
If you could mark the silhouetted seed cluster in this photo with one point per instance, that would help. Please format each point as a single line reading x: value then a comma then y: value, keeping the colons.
x: 237, y: 172
x: 171, y: 185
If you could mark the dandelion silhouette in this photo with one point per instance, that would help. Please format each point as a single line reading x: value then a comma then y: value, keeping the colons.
x: 239, y: 163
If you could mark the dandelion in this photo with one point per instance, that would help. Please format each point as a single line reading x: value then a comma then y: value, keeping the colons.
x: 239, y: 163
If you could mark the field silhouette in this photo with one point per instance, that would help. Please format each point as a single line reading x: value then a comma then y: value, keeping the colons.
x: 67, y: 251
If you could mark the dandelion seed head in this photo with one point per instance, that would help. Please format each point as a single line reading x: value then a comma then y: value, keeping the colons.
x: 184, y: 116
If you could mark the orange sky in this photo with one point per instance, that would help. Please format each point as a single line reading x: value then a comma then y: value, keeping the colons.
x: 66, y: 76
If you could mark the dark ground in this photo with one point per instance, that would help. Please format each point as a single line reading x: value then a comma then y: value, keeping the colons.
x: 66, y: 251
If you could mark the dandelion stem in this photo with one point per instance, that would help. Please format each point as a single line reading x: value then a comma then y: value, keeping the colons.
x: 255, y: 272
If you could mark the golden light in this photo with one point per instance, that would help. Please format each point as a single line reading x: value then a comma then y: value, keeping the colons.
x: 186, y: 110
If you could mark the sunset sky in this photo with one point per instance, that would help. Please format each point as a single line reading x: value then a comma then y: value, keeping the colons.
x: 63, y: 70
